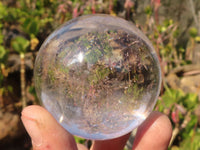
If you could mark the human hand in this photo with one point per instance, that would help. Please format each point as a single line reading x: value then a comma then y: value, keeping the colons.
x: 46, y: 134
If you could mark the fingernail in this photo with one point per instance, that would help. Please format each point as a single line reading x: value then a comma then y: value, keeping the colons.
x: 33, y: 130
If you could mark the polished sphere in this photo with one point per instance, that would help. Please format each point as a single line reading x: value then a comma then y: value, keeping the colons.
x: 98, y: 75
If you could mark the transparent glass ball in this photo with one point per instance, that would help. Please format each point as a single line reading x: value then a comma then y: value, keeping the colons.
x: 98, y: 75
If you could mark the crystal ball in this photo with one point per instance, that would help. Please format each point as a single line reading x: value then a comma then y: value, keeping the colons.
x: 98, y: 75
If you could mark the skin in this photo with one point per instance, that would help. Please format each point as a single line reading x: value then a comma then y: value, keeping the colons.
x: 46, y: 134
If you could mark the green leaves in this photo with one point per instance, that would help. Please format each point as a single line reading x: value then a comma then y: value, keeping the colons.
x: 190, y: 101
x: 20, y: 44
x: 30, y: 26
x: 3, y: 54
x: 3, y: 51
x: 148, y: 10
x: 3, y: 11
x: 171, y: 97
x: 180, y: 107
x: 79, y: 140
x: 193, y: 32
x: 99, y: 74
x: 191, y: 142
x: 93, y: 55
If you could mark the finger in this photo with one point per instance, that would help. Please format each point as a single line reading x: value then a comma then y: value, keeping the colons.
x: 44, y: 130
x: 154, y: 133
x: 81, y: 147
x: 113, y: 144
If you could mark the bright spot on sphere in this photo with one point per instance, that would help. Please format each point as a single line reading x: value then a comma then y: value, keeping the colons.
x: 80, y: 57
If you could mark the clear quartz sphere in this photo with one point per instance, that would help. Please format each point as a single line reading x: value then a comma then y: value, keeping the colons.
x: 98, y: 75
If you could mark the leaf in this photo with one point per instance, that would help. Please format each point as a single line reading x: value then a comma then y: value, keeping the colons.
x: 193, y: 32
x: 31, y: 26
x: 3, y: 11
x: 148, y: 10
x: 10, y: 88
x: 171, y: 97
x: 79, y: 140
x: 20, y: 44
x: 189, y: 129
x: 190, y: 100
x: 26, y: 23
x: 1, y: 39
x: 191, y: 143
x: 3, y: 53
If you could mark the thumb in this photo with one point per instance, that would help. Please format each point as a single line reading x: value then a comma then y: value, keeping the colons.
x: 44, y: 130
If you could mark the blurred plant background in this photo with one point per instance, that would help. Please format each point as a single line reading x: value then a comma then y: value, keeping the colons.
x: 172, y: 26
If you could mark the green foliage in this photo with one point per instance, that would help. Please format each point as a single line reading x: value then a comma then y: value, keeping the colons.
x: 191, y: 142
x: 79, y: 140
x: 3, y: 51
x: 189, y: 130
x: 172, y: 97
x: 3, y: 11
x: 190, y: 101
x: 3, y: 54
x: 20, y: 44
x: 1, y: 80
x: 164, y: 37
x: 30, y: 26
x: 93, y: 55
x: 148, y: 10
x: 99, y: 74
x: 134, y: 90
x: 1, y: 37
x: 51, y: 75
x: 183, y: 105
x: 193, y: 32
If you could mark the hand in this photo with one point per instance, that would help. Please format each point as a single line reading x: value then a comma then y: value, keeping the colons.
x: 47, y: 134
